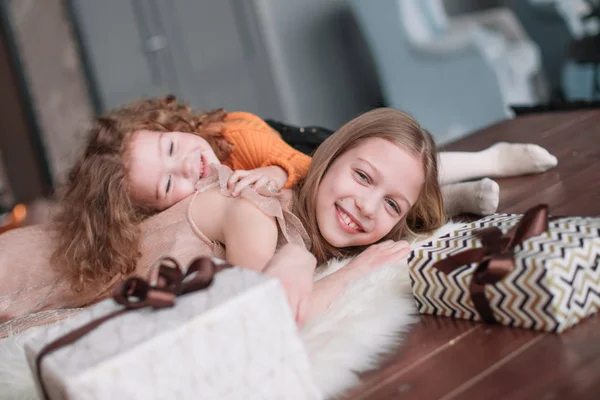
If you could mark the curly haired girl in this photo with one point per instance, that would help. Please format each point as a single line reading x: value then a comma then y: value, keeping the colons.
x: 374, y: 181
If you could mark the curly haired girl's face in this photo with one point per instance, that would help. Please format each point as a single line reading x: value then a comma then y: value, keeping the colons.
x: 163, y: 167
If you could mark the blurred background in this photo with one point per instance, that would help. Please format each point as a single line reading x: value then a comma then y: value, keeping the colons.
x: 456, y: 65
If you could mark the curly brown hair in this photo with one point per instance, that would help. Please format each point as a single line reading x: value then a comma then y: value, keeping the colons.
x: 399, y: 128
x: 97, y: 223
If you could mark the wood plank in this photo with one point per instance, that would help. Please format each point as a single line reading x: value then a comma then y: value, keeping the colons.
x: 577, y: 195
x: 572, y: 187
x: 484, y: 346
x: 429, y: 336
x: 529, y: 129
x: 568, y: 136
x: 553, y: 367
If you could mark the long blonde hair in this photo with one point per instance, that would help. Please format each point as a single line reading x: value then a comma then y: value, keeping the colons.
x: 97, y: 223
x: 399, y: 128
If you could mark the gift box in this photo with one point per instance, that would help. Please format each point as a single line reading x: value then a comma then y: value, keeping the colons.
x: 234, y: 339
x: 527, y: 271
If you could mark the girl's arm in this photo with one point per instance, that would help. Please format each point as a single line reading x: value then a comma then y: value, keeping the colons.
x: 257, y: 145
x: 328, y: 289
x: 250, y: 240
x: 248, y: 234
x: 294, y: 266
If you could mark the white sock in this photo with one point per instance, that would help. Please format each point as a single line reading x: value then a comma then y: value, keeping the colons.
x: 513, y: 159
x: 500, y: 160
x: 480, y: 197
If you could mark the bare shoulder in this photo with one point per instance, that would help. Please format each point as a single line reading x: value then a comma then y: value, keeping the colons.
x: 207, y: 211
x: 246, y: 219
x: 216, y: 215
x: 250, y: 235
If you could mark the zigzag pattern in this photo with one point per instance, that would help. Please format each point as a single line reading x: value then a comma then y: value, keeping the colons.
x: 556, y: 282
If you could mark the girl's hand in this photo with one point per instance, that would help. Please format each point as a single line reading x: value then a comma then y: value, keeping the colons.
x: 294, y: 266
x: 273, y: 178
x: 378, y: 255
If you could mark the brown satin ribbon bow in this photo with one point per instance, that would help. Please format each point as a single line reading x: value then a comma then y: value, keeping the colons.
x: 135, y: 293
x: 496, y: 257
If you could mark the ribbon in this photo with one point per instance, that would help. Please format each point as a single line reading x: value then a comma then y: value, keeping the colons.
x: 496, y: 257
x: 135, y: 293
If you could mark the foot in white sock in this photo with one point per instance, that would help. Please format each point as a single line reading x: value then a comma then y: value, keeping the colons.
x: 480, y: 197
x: 487, y: 197
x: 513, y: 159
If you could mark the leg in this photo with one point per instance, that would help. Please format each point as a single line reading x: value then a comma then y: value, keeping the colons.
x: 479, y: 197
x: 500, y: 160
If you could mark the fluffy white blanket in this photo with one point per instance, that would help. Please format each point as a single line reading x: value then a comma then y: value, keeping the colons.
x: 368, y: 320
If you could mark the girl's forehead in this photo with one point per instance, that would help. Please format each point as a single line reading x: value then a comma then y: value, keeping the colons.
x: 374, y: 147
x: 387, y: 164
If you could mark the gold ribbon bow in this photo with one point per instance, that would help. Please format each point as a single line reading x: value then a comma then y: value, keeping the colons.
x: 496, y: 257
x: 135, y: 293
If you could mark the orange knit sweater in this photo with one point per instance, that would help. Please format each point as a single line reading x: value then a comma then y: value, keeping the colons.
x: 258, y: 145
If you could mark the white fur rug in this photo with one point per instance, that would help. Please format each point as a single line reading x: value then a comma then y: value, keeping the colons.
x: 368, y: 320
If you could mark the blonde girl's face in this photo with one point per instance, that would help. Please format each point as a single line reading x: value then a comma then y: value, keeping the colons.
x: 367, y: 191
x: 164, y: 167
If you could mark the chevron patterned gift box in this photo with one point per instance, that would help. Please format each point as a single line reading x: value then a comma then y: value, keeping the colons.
x: 527, y: 271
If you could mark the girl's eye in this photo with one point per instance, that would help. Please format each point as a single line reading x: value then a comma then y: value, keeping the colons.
x: 362, y: 176
x: 168, y: 184
x: 394, y: 206
x: 171, y: 148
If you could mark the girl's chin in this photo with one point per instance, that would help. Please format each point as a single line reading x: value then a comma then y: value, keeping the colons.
x: 336, y: 241
x: 335, y: 237
x: 339, y: 242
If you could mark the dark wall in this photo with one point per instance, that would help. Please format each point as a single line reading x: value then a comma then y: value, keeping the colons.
x: 21, y: 154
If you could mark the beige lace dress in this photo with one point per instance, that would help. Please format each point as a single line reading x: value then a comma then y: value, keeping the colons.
x: 32, y: 292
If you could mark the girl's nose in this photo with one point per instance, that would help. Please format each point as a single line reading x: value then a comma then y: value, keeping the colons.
x: 187, y: 168
x: 366, y: 206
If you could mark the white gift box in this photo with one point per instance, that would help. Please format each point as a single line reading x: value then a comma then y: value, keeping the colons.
x: 237, y: 339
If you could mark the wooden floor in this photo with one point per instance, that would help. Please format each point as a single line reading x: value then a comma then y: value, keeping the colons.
x: 442, y: 358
